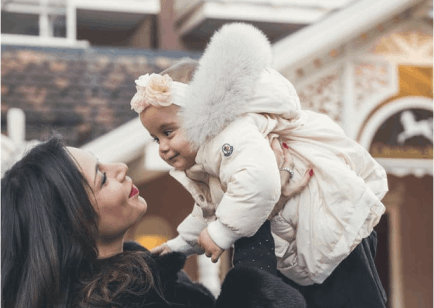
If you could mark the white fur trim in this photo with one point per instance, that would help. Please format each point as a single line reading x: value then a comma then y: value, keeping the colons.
x: 228, y: 70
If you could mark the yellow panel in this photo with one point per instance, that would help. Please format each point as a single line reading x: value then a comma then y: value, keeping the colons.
x: 151, y: 240
x: 415, y: 81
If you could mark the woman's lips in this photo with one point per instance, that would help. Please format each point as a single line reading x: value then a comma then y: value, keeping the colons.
x: 134, y: 191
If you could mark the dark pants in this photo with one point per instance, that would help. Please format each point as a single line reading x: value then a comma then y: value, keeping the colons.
x: 353, y: 284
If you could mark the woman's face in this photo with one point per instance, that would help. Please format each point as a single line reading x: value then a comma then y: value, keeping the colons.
x: 115, y: 198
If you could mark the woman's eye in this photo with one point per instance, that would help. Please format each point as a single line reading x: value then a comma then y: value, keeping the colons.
x: 104, y: 179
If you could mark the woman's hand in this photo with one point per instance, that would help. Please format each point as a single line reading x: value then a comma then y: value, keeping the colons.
x: 161, y: 250
x: 212, y: 250
x: 286, y: 164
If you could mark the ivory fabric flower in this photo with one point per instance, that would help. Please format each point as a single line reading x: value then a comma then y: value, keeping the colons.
x: 153, y: 90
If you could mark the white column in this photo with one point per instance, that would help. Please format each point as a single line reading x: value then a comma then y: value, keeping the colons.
x: 16, y: 125
x: 12, y: 146
x: 71, y: 21
x: 209, y: 274
x: 395, y: 255
x: 348, y: 96
x: 45, y: 29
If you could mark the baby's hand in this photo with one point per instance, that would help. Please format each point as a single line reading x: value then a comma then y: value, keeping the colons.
x: 286, y: 166
x: 211, y: 248
x: 161, y: 250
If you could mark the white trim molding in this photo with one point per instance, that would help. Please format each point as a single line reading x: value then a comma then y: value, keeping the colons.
x: 248, y: 11
x: 27, y: 40
x: 123, y: 144
x: 309, y: 42
x: 401, y: 167
x: 128, y: 6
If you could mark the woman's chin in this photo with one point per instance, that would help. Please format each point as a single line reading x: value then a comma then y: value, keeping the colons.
x: 143, y: 204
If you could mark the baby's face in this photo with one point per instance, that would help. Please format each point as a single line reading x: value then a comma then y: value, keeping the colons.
x: 163, y: 125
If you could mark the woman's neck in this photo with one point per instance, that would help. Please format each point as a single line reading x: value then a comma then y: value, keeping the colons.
x: 110, y: 248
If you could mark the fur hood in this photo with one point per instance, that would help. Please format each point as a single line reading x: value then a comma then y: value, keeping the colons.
x: 233, y: 78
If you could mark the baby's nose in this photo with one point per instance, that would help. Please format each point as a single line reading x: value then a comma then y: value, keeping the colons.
x: 164, y: 147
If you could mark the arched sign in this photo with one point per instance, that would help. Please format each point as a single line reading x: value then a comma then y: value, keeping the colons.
x: 400, y: 136
x: 406, y: 134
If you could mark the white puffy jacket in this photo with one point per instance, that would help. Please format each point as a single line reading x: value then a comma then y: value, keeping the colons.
x: 317, y: 229
x: 235, y: 106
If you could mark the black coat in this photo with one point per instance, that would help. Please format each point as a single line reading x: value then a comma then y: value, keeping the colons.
x: 245, y: 286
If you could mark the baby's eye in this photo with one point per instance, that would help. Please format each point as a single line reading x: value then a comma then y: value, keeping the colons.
x: 155, y: 139
x: 168, y: 132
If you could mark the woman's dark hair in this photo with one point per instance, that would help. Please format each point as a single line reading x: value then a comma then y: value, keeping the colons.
x: 48, y: 233
x: 48, y: 227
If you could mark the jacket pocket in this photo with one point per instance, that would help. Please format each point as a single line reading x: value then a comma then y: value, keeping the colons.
x: 281, y: 227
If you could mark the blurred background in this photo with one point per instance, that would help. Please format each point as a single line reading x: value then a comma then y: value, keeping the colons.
x: 70, y: 66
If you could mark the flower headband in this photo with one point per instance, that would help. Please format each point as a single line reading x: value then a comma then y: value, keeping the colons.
x: 157, y: 90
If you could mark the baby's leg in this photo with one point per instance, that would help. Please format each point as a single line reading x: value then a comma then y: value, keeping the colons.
x: 257, y: 251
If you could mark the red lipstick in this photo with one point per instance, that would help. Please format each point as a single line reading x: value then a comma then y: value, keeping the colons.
x: 134, y: 191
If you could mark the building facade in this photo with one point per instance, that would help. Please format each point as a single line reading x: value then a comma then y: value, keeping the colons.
x: 366, y: 64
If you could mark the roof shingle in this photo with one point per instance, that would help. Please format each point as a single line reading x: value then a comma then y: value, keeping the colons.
x: 80, y: 93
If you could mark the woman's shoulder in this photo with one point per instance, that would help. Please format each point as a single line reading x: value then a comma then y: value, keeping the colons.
x: 177, y: 286
x: 134, y: 246
x: 168, y: 265
x: 142, y: 279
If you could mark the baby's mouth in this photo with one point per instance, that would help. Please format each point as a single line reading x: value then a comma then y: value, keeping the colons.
x: 173, y: 157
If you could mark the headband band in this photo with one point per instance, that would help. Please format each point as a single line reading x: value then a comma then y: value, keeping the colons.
x: 158, y: 91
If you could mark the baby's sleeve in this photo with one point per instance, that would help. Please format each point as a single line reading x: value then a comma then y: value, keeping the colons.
x: 189, y: 230
x: 249, y: 173
x: 373, y: 173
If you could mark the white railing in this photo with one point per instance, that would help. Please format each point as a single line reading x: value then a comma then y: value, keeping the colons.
x: 47, y: 10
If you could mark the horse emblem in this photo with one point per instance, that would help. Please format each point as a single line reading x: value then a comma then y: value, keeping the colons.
x: 414, y: 128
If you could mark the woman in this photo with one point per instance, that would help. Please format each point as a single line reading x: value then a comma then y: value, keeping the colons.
x: 64, y: 218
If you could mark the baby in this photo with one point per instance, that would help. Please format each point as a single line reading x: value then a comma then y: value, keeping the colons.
x: 216, y: 123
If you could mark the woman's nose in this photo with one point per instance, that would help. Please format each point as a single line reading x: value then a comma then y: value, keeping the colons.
x: 121, y: 171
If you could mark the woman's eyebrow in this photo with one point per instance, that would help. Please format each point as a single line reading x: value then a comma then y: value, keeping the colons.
x: 96, y: 170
